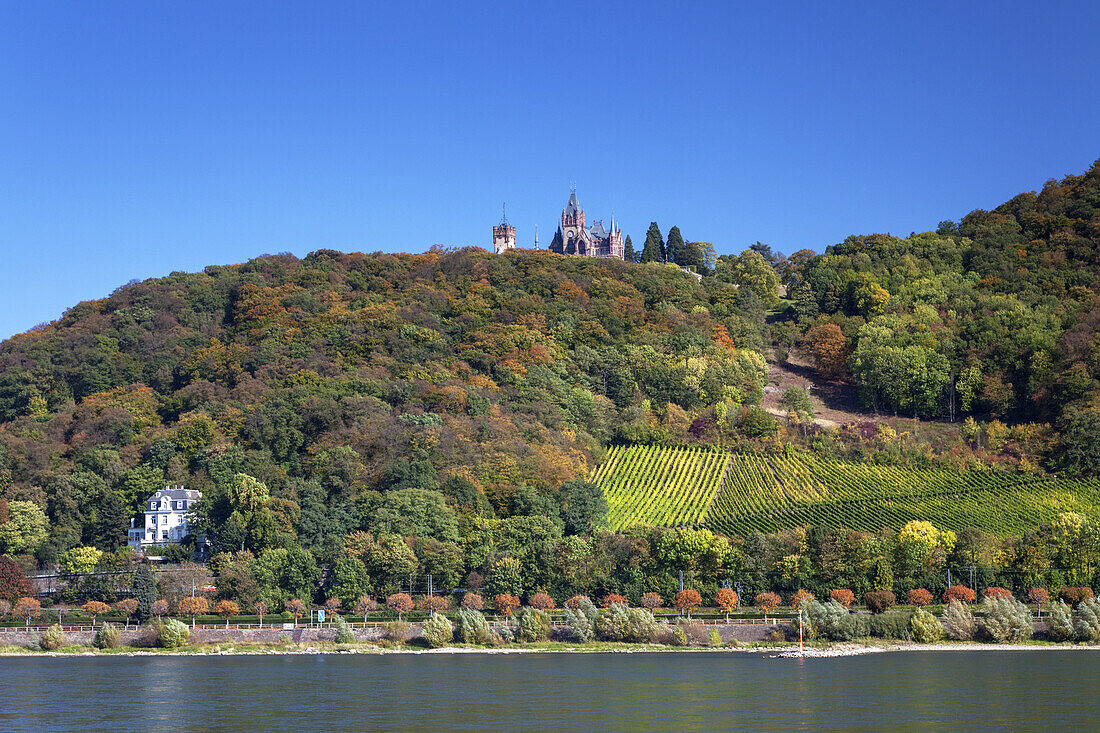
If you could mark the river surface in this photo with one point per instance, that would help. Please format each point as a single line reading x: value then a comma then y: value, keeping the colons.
x: 911, y: 691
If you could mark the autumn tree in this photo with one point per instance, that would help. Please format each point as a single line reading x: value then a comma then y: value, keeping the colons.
x: 432, y: 604
x: 296, y: 608
x: 506, y: 603
x: 611, y: 599
x: 919, y: 597
x: 726, y: 599
x: 959, y: 593
x: 94, y: 608
x: 332, y: 605
x: 159, y: 608
x: 473, y: 601
x: 542, y: 601
x: 767, y: 601
x: 827, y: 347
x: 260, y: 609
x: 799, y: 597
x: 650, y: 601
x: 26, y: 608
x: 227, y: 609
x: 193, y: 606
x: 13, y: 583
x: 400, y: 602
x: 843, y: 596
x: 688, y: 600
x: 128, y: 607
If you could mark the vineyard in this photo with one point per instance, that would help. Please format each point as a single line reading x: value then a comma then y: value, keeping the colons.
x: 741, y: 493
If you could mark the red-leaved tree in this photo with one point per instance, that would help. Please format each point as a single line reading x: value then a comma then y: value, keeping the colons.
x: 431, y: 604
x: 651, y: 601
x: 227, y: 609
x: 843, y: 596
x: 542, y: 601
x: 1038, y: 596
x: 260, y: 609
x: 1074, y: 594
x: 193, y: 606
x: 400, y: 602
x: 13, y: 583
x: 159, y: 608
x: 296, y: 608
x: 27, y: 608
x: 128, y: 607
x: 997, y: 592
x: 473, y: 601
x: 575, y: 602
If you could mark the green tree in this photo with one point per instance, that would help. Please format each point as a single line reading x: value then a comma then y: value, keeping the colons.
x: 79, y: 560
x: 25, y: 529
x: 144, y: 589
x: 654, y: 248
x: 628, y: 250
x: 750, y: 270
x: 350, y: 580
x: 675, y: 249
x: 584, y: 506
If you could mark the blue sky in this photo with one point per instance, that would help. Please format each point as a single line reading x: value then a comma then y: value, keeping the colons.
x: 141, y: 138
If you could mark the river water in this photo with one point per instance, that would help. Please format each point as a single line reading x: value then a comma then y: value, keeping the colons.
x: 911, y: 691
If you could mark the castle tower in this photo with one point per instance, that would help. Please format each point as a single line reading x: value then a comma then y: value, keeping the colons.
x: 504, y: 236
x: 572, y: 225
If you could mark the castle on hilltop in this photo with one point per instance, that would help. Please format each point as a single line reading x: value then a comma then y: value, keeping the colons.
x: 572, y: 237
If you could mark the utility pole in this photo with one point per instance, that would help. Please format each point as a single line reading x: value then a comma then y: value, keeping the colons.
x: 800, y: 632
x: 681, y: 580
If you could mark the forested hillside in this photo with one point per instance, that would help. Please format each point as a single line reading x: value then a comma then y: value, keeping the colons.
x: 995, y: 317
x: 343, y: 382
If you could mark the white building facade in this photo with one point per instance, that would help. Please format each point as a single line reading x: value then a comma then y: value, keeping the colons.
x: 166, y: 518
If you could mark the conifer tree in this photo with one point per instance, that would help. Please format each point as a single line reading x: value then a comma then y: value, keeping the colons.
x: 628, y: 250
x: 675, y: 250
x: 654, y: 248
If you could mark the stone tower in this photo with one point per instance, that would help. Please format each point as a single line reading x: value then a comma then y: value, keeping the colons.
x: 504, y: 236
x: 572, y: 226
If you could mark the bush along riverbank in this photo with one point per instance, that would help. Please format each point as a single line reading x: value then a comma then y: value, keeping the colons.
x: 828, y: 628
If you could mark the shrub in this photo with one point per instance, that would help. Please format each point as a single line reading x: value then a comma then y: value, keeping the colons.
x: 679, y: 636
x: 107, y: 637
x: 1038, y: 596
x: 470, y: 626
x: 995, y: 591
x: 767, y: 602
x: 801, y: 596
x: 958, y: 621
x: 959, y: 593
x: 574, y: 602
x: 534, y: 625
x: 652, y: 601
x: 400, y: 602
x: 611, y: 599
x: 580, y: 628
x: 588, y: 609
x: 715, y: 638
x: 1087, y: 623
x: 688, y: 600
x: 397, y: 631
x: 919, y: 597
x: 925, y: 627
x: 1061, y: 621
x: 173, y: 634
x: 506, y: 604
x: 473, y: 602
x: 843, y: 596
x: 52, y: 638
x: 1074, y: 595
x: 343, y: 634
x: 542, y: 601
x: 879, y: 601
x: 826, y: 620
x: 620, y: 623
x: 1006, y: 620
x: 893, y: 624
x: 438, y: 631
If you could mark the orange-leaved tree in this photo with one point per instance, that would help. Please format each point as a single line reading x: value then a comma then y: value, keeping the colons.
x: 27, y: 608
x: 828, y: 347
x: 400, y: 602
x: 919, y: 597
x: 726, y: 598
x: 574, y: 603
x: 296, y: 608
x: 767, y: 601
x: 227, y: 609
x: 431, y: 604
x: 473, y: 601
x: 542, y: 601
x: 128, y: 607
x: 611, y: 599
x: 801, y: 596
x: 959, y: 593
x: 506, y: 603
x: 94, y: 608
x: 651, y: 601
x: 996, y: 592
x: 1038, y: 596
x: 332, y: 605
x: 688, y: 600
x: 159, y: 608
x: 193, y: 606
x: 843, y: 596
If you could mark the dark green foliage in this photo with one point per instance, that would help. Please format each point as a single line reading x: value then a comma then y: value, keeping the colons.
x: 675, y: 249
x: 584, y: 507
x: 349, y: 581
x: 144, y: 590
x: 653, y: 250
x: 343, y: 633
x: 895, y: 624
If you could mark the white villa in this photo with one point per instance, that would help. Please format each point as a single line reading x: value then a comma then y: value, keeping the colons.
x: 165, y: 518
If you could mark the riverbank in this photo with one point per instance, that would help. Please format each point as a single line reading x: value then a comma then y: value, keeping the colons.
x: 782, y: 650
